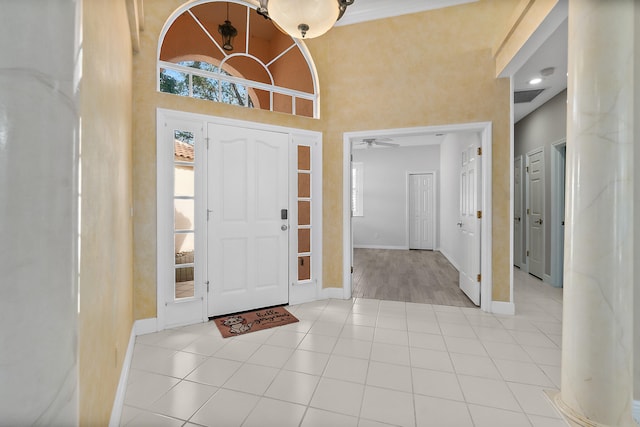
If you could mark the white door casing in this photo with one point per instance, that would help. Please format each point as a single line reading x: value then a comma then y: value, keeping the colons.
x: 421, y: 210
x: 535, y: 217
x: 247, y: 237
x: 517, y: 211
x: 179, y: 311
x: 469, y: 223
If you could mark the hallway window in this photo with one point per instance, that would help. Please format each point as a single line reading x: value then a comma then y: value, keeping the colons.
x: 265, y: 68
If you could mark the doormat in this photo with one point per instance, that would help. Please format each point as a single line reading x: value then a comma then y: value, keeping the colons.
x: 252, y: 321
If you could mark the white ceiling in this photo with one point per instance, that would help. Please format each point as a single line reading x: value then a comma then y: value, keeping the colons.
x: 552, y: 53
x: 369, y: 10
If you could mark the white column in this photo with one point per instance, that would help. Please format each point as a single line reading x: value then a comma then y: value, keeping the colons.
x: 597, y: 346
x: 39, y: 131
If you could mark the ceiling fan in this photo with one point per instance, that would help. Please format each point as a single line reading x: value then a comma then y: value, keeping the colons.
x: 384, y: 142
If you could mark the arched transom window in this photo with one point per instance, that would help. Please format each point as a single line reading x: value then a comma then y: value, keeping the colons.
x: 266, y: 68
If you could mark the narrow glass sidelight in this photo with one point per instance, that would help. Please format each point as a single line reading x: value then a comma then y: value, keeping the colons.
x: 305, y: 221
x: 184, y: 213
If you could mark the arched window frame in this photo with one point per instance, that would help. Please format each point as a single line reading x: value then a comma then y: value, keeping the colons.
x: 249, y: 84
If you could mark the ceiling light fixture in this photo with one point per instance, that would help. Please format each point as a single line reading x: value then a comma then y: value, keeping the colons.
x: 228, y: 32
x: 535, y: 81
x: 304, y: 19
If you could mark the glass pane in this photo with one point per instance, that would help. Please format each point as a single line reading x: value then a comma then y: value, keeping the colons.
x: 183, y: 248
x: 304, y: 185
x: 184, y: 283
x: 234, y: 94
x: 260, y: 98
x: 304, y: 213
x: 304, y: 240
x: 304, y: 107
x: 304, y: 158
x: 183, y: 182
x: 174, y: 82
x: 304, y: 268
x: 205, y: 88
x: 282, y: 103
x: 184, y: 214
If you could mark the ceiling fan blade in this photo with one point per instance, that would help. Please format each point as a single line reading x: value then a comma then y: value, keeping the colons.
x: 386, y: 144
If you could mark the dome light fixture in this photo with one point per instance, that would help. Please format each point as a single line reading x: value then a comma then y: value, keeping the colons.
x: 304, y: 19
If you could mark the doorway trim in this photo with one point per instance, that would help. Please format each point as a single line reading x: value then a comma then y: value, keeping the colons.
x: 298, y: 292
x: 558, y: 167
x: 485, y: 131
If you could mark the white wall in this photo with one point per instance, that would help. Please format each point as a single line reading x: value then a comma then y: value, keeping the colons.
x: 39, y: 128
x: 384, y: 223
x: 450, y: 163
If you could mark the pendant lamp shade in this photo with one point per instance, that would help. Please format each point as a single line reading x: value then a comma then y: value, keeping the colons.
x: 304, y: 18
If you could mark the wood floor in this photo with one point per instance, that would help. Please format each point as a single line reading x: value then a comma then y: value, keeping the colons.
x: 411, y: 276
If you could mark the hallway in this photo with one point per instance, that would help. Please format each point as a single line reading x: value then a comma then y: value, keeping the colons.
x: 362, y: 362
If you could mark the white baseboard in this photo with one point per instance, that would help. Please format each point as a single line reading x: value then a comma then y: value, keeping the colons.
x: 118, y: 402
x: 636, y: 411
x: 396, y: 248
x: 501, y: 307
x: 546, y: 278
x: 332, y: 293
x: 146, y: 326
x: 450, y: 259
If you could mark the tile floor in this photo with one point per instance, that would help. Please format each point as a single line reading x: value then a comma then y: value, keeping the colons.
x: 360, y: 363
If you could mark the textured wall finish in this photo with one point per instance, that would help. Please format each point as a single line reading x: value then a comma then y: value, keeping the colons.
x: 443, y: 73
x: 39, y: 130
x: 106, y: 225
x: 597, y: 345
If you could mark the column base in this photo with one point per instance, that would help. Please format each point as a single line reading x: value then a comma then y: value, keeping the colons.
x: 571, y: 417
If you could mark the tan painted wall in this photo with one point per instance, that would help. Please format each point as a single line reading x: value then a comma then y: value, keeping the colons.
x: 432, y: 68
x: 106, y: 313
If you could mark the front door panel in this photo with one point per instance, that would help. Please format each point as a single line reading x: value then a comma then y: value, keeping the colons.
x: 247, y: 237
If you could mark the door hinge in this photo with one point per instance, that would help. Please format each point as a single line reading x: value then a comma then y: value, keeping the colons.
x: 527, y: 169
x: 209, y: 211
x: 479, y: 277
x: 352, y: 157
x: 479, y: 214
x: 479, y: 151
x: 207, y: 283
x: 528, y: 211
x: 527, y: 253
x: 207, y: 139
x: 352, y: 269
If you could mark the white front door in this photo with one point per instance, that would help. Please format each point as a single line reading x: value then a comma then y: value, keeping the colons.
x: 536, y: 213
x: 421, y: 211
x: 517, y: 211
x: 469, y: 223
x: 248, y: 196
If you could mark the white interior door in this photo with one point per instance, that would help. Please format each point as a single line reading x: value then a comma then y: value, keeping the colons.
x: 421, y: 211
x: 536, y: 213
x: 469, y: 223
x: 247, y: 235
x: 517, y: 211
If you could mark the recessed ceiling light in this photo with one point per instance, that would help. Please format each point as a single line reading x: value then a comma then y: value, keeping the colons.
x: 535, y: 81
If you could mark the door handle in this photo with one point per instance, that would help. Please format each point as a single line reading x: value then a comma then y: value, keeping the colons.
x: 459, y: 224
x: 284, y: 227
x: 538, y: 221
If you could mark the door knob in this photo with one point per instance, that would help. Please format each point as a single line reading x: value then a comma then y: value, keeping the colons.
x: 284, y: 227
x: 459, y: 224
